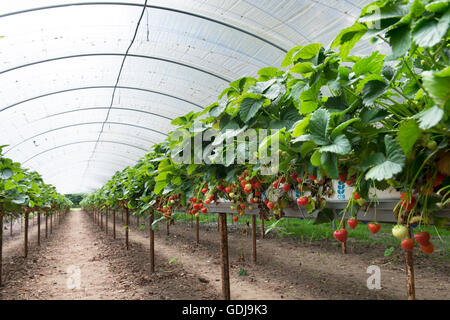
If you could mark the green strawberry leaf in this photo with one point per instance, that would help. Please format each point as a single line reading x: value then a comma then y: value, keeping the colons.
x: 428, y: 31
x: 430, y: 117
x: 438, y: 85
x: 372, y: 90
x: 249, y: 108
x: 392, y: 163
x: 318, y: 126
x: 408, y: 133
x: 340, y: 145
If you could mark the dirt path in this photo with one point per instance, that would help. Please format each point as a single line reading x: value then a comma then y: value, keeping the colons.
x: 286, y: 268
x: 289, y: 269
x: 77, y: 250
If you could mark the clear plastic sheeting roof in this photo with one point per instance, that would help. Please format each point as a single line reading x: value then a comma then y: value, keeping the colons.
x: 87, y: 87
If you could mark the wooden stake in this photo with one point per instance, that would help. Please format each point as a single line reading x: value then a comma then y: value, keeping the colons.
x: 127, y: 225
x: 197, y: 230
x: 224, y: 261
x: 152, y: 245
x: 114, y: 224
x: 262, y: 227
x: 25, y: 251
x: 409, y: 258
x: 254, y: 237
x: 39, y: 228
x: 1, y: 245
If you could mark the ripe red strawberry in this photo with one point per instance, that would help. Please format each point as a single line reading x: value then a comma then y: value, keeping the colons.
x: 343, y: 177
x: 374, y: 227
x: 207, y: 201
x: 221, y: 187
x: 356, y: 196
x: 352, y: 223
x: 282, y: 180
x: 244, y: 231
x: 299, y: 180
x: 242, y: 205
x: 270, y: 205
x: 408, y: 244
x: 408, y: 204
x: 423, y: 238
x: 204, y: 210
x: 340, y: 235
x: 294, y: 176
x: 196, y: 206
x: 257, y: 193
x: 302, y: 201
x: 266, y: 201
x: 204, y: 190
x: 286, y: 187
x: 437, y: 180
x: 428, y: 248
x: 194, y: 199
x: 227, y: 189
x: 275, y: 184
x: 312, y: 177
x: 235, y: 218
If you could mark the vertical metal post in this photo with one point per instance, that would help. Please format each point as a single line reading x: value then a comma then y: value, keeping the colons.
x: 114, y: 224
x: 25, y: 251
x: 224, y: 260
x: 152, y: 244
x: 254, y: 237
x: 127, y: 222
x: 39, y: 228
x: 197, y: 230
x: 262, y: 227
x: 409, y: 259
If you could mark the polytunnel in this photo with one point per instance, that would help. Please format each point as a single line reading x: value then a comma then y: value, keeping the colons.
x: 87, y: 87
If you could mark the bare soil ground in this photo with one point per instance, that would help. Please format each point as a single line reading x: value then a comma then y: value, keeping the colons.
x: 106, y: 270
x: 286, y: 267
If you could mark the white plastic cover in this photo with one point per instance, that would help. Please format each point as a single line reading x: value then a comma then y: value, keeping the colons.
x: 60, y: 62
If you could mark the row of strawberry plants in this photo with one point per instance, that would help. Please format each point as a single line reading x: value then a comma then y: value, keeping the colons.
x: 377, y: 122
x: 23, y: 193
